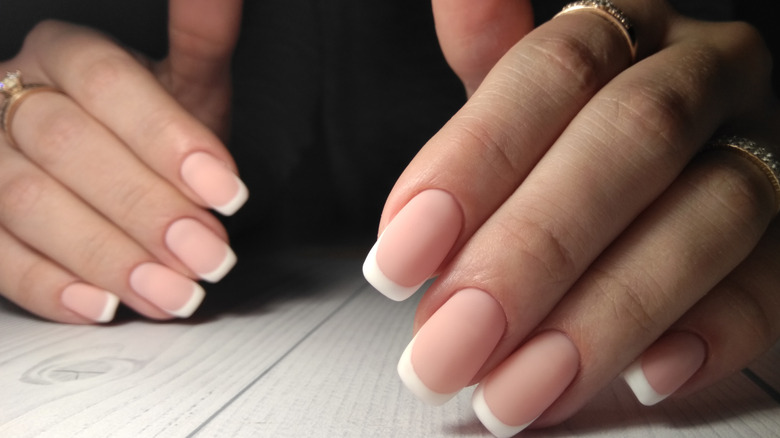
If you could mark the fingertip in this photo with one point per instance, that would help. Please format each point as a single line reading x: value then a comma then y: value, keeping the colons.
x: 489, y: 419
x: 414, y: 384
x: 376, y: 278
x: 637, y: 381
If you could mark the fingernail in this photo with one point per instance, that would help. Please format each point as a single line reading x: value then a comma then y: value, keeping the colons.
x: 200, y: 249
x: 414, y: 244
x: 526, y: 384
x: 90, y: 302
x: 168, y: 290
x: 452, y: 346
x: 214, y: 183
x: 665, y: 367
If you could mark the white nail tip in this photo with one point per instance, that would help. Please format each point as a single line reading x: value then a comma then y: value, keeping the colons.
x: 220, y: 271
x: 636, y: 380
x: 236, y: 203
x: 379, y: 280
x: 192, y: 304
x: 486, y: 417
x: 109, y: 310
x: 415, y: 385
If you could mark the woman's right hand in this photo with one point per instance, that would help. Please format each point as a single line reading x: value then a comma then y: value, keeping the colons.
x: 105, y: 187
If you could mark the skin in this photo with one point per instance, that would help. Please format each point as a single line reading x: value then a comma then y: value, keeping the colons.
x: 79, y: 154
x: 588, y: 208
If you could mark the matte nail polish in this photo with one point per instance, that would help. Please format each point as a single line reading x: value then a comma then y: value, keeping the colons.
x: 168, y: 290
x: 414, y: 244
x: 519, y: 390
x: 90, y: 302
x: 200, y: 249
x: 665, y: 367
x: 211, y: 179
x: 451, y: 347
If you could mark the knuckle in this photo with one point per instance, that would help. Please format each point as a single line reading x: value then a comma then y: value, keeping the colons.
x: 656, y: 116
x: 138, y: 197
x: 753, y: 317
x: 28, y: 287
x: 740, y: 189
x: 751, y: 44
x: 43, y: 30
x: 541, y: 248
x: 630, y: 301
x: 20, y: 195
x: 570, y: 61
x: 483, y: 142
x: 171, y: 129
x: 102, y: 71
x: 58, y: 131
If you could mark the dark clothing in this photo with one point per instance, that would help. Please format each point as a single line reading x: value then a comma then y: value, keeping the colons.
x: 332, y: 100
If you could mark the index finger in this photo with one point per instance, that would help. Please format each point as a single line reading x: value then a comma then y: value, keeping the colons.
x: 520, y: 109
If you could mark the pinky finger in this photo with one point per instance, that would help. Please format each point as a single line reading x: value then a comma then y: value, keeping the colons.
x: 42, y: 287
x: 723, y: 333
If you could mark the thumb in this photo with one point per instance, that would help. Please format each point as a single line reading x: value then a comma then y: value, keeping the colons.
x: 474, y: 35
x: 202, y: 35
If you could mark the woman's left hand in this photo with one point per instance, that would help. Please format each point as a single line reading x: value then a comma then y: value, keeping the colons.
x: 574, y: 221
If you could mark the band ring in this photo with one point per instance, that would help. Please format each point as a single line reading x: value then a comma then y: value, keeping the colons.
x: 15, y: 91
x: 610, y: 12
x: 759, y: 155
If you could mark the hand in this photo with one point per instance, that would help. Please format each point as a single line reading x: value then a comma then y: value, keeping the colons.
x: 575, y: 226
x: 104, y: 195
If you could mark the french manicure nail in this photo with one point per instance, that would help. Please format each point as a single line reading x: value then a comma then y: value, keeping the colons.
x: 214, y: 183
x: 168, y: 290
x: 665, y: 367
x: 200, y: 249
x: 90, y: 302
x: 452, y: 346
x: 516, y: 393
x: 415, y: 243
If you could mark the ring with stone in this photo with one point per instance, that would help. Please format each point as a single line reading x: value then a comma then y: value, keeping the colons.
x: 610, y: 12
x: 16, y: 91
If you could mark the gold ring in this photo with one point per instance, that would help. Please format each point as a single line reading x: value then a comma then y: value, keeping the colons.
x: 605, y: 9
x: 15, y: 91
x: 759, y: 155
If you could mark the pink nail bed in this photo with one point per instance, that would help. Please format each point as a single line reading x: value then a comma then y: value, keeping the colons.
x: 214, y: 183
x: 200, y: 249
x: 526, y: 384
x: 452, y: 346
x: 412, y: 247
x: 168, y: 290
x: 665, y: 367
x: 90, y: 302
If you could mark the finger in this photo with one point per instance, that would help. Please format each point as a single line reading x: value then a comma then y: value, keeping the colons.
x: 736, y: 322
x: 82, y: 155
x: 86, y: 244
x: 202, y: 36
x: 43, y: 288
x: 620, y: 153
x: 97, y: 74
x: 475, y: 35
x: 658, y: 269
x: 481, y: 156
x: 616, y: 157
